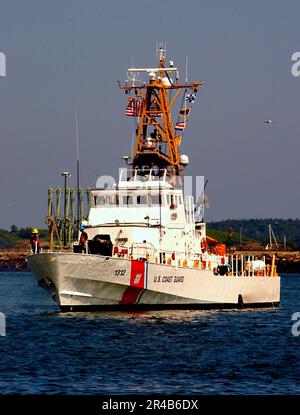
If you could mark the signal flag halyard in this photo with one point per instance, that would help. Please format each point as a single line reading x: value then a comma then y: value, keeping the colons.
x: 180, y: 126
x: 185, y: 112
x: 190, y: 98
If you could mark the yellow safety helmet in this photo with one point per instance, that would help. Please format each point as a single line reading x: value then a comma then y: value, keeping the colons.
x: 35, y: 230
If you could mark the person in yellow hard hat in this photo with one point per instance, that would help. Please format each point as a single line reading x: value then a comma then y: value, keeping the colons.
x: 35, y: 241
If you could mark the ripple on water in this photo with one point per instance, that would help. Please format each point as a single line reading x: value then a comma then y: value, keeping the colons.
x: 190, y: 351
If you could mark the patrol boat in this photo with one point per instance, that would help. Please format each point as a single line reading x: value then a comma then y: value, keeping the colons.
x: 147, y: 245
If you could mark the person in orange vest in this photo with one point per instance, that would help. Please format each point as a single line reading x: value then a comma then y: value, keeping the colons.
x: 35, y: 241
x: 83, y: 240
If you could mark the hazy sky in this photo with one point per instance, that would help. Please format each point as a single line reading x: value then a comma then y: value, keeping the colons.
x: 62, y: 53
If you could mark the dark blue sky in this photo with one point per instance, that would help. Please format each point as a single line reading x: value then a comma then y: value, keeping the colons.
x: 64, y: 53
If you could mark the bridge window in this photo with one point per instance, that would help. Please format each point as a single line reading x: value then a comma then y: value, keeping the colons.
x: 142, y: 200
x: 100, y: 200
x: 113, y: 200
x: 156, y: 200
x: 127, y: 200
x: 177, y: 199
x: 174, y: 200
x: 106, y: 200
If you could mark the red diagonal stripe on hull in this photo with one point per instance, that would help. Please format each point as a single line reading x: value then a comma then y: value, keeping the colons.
x: 131, y: 295
x: 137, y: 282
x: 137, y: 274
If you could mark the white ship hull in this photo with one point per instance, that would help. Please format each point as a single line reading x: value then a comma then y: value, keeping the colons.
x: 79, y: 281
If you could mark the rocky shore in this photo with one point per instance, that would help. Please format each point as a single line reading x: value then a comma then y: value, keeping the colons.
x: 286, y: 261
x: 12, y: 261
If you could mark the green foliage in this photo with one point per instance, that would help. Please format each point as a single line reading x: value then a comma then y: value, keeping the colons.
x: 24, y: 233
x: 11, y: 239
x: 222, y: 235
x: 7, y: 240
x: 258, y: 230
x: 13, y: 228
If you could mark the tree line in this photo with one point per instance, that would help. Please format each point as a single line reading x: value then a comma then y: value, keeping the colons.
x: 244, y: 230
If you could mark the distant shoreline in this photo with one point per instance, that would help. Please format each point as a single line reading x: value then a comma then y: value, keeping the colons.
x: 286, y: 261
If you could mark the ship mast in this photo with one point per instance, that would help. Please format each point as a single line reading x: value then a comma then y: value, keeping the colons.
x: 157, y: 141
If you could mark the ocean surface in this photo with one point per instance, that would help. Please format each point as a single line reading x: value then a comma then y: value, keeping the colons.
x: 165, y: 352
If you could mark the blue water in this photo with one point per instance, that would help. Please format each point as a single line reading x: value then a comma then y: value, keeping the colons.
x: 182, y: 352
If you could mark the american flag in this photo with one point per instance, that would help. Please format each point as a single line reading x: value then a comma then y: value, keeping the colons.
x: 134, y: 108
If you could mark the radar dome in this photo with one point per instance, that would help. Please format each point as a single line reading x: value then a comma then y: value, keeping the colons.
x: 152, y: 76
x: 184, y: 160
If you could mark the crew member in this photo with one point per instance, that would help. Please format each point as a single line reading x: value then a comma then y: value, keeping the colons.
x: 83, y: 240
x: 35, y: 241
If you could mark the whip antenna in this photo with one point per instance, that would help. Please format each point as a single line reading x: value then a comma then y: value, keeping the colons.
x: 77, y: 167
